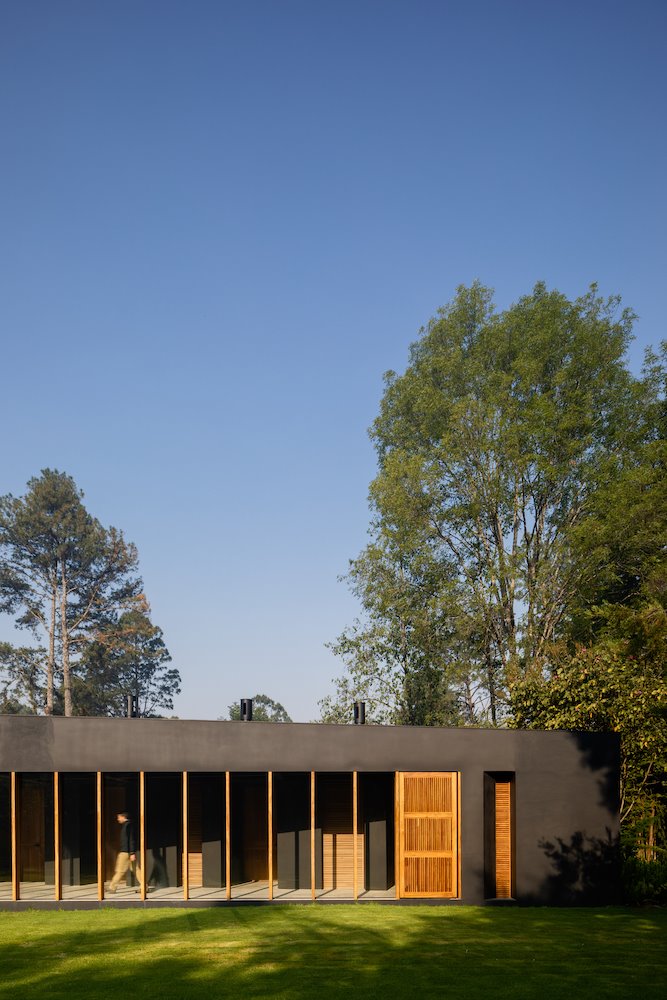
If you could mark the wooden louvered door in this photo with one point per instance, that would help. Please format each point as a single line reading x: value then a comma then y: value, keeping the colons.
x: 428, y: 833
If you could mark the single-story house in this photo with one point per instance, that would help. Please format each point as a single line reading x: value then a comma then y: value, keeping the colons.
x: 258, y: 812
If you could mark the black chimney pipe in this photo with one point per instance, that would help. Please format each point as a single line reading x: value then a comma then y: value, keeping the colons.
x: 132, y: 706
x: 246, y: 709
x: 360, y: 713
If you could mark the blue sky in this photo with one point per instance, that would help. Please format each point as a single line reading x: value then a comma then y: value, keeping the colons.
x: 222, y: 222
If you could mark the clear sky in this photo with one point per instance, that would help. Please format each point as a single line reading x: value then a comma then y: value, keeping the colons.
x: 221, y: 222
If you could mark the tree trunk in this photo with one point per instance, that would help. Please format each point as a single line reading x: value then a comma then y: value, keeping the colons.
x: 67, y: 681
x: 50, y: 663
x: 491, y: 683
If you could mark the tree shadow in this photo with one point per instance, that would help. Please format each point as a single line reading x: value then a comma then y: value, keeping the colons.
x: 299, y: 953
x: 586, y: 871
x: 601, y: 752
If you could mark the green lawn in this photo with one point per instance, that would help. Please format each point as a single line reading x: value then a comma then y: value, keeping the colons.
x: 320, y: 952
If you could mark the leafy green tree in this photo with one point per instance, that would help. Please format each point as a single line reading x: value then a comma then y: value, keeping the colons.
x: 62, y: 575
x: 617, y: 685
x: 264, y: 709
x: 21, y: 679
x: 488, y: 448
x: 609, y: 671
x: 398, y: 660
x: 132, y: 659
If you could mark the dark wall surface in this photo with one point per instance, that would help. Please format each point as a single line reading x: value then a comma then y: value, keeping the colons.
x: 35, y: 743
x: 566, y: 784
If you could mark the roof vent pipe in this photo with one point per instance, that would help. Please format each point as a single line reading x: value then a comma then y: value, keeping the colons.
x: 360, y: 713
x: 132, y: 706
x: 246, y: 709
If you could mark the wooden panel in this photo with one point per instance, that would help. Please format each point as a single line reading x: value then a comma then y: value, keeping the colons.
x: 228, y: 836
x: 195, y: 870
x: 429, y: 876
x: 428, y: 793
x: 338, y: 860
x: 355, y: 838
x: 57, y: 840
x: 186, y: 841
x: 100, y: 837
x: 142, y: 834
x: 428, y: 834
x: 459, y: 877
x: 194, y: 861
x: 252, y: 829
x: 33, y: 831
x: 16, y: 843
x: 503, y: 821
x: 312, y: 834
x: 397, y: 825
x: 338, y: 840
x: 270, y: 830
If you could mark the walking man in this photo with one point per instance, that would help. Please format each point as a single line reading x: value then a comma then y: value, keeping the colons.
x: 127, y: 853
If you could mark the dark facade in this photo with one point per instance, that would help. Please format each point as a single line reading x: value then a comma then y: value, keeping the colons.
x: 260, y: 811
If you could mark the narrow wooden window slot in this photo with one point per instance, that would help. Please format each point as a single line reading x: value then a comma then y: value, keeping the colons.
x: 499, y: 835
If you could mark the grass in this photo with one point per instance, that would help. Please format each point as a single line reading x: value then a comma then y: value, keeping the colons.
x: 318, y: 953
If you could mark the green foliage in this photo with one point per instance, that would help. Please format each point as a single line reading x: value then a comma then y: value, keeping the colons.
x: 487, y: 446
x: 403, y: 632
x: 21, y: 679
x: 131, y: 658
x: 517, y: 569
x: 644, y: 882
x: 73, y: 582
x: 264, y: 709
x: 611, y: 672
x: 606, y: 688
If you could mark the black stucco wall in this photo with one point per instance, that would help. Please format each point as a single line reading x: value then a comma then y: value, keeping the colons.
x: 566, y: 784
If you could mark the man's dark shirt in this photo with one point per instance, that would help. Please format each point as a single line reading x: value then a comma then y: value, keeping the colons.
x: 128, y: 842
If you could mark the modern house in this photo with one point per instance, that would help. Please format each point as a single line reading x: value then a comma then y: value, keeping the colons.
x: 252, y: 811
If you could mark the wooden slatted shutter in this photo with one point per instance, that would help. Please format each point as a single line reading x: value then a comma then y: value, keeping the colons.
x: 428, y: 834
x: 503, y: 839
x: 338, y: 840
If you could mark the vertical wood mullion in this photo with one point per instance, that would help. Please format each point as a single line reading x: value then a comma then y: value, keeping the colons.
x: 270, y: 831
x: 400, y: 838
x: 16, y: 843
x: 99, y: 838
x: 355, y: 838
x: 228, y: 842
x: 312, y: 835
x: 459, y: 890
x: 57, y: 839
x: 142, y: 834
x: 186, y: 847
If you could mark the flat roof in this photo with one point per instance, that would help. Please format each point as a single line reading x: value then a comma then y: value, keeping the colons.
x: 55, y: 743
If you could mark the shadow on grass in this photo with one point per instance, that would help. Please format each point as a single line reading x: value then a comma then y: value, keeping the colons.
x: 306, y: 953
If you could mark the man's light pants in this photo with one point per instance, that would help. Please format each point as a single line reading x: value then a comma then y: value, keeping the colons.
x: 122, y: 864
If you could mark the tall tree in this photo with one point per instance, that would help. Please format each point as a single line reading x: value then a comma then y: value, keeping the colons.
x: 609, y: 671
x: 399, y: 660
x: 21, y: 679
x: 62, y: 573
x: 131, y: 658
x: 489, y: 446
